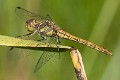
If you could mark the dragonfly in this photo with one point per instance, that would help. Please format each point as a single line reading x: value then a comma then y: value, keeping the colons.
x: 45, y: 27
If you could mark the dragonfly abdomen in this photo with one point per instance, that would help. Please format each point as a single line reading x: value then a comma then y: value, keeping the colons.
x: 68, y: 36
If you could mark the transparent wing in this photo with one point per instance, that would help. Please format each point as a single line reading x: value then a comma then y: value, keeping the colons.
x: 46, y: 56
x: 18, y: 53
x: 25, y: 14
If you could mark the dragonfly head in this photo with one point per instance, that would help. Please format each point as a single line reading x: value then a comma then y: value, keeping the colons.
x: 30, y: 25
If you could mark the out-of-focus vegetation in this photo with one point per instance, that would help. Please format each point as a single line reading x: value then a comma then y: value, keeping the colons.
x: 95, y: 20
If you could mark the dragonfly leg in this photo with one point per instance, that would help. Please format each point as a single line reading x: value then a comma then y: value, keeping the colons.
x: 26, y: 35
x: 58, y: 42
x: 29, y: 35
x: 43, y: 38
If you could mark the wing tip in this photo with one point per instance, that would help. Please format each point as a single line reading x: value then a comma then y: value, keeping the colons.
x: 18, y: 7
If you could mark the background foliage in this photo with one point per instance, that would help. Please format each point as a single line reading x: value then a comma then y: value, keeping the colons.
x: 95, y: 20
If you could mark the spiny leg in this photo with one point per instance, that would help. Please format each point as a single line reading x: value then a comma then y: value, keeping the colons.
x: 26, y: 35
x: 29, y: 35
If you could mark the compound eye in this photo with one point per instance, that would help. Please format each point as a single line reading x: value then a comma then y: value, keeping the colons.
x: 30, y: 28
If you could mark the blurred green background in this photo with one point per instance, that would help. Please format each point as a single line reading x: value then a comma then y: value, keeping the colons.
x: 95, y: 20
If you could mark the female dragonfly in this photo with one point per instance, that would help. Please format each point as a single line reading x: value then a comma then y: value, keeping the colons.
x: 45, y: 28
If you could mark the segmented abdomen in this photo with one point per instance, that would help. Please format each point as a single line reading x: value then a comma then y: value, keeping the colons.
x: 65, y: 35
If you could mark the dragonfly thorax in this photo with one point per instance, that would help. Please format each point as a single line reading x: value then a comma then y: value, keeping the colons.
x: 30, y: 25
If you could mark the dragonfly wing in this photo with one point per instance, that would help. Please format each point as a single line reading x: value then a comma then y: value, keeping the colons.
x: 25, y: 14
x: 18, y: 53
x: 44, y: 58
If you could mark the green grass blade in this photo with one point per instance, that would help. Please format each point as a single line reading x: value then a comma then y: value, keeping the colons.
x: 30, y: 44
